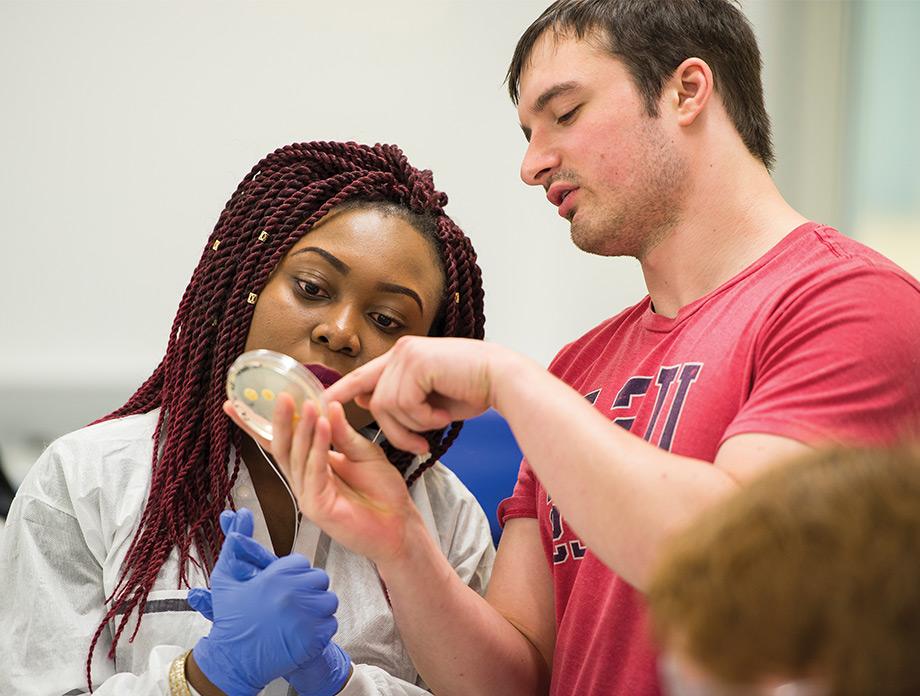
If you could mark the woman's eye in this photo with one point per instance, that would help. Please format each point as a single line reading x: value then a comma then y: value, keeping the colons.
x: 385, y: 322
x: 311, y: 289
x: 568, y: 116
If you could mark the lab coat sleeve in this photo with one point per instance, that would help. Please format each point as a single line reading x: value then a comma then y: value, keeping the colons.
x: 52, y: 602
x: 469, y: 548
x: 373, y: 681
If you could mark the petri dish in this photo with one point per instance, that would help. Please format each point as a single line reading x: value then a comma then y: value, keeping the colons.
x: 256, y: 378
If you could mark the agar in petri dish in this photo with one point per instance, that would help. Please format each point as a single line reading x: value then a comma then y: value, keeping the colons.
x: 257, y: 377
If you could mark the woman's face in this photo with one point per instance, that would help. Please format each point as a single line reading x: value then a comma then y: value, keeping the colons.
x: 347, y: 291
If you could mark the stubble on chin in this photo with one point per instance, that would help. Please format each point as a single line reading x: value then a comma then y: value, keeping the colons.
x: 608, y: 232
x: 640, y: 220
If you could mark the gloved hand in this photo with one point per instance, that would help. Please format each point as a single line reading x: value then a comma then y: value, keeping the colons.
x: 324, y: 675
x: 247, y: 558
x: 271, y: 616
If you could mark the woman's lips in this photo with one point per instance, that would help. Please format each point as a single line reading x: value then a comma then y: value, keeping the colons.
x: 326, y: 376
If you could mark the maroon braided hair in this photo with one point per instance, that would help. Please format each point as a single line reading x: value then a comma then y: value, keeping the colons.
x: 283, y: 196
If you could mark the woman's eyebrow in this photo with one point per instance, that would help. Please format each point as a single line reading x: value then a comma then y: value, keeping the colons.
x: 334, y: 261
x: 402, y: 290
x: 345, y: 269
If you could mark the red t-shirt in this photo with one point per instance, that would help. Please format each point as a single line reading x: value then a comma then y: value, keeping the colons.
x: 819, y: 340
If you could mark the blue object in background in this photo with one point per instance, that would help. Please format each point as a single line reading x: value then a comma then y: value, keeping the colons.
x: 486, y: 457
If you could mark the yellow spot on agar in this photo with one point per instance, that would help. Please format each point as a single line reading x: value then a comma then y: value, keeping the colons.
x: 268, y: 395
x: 251, y: 394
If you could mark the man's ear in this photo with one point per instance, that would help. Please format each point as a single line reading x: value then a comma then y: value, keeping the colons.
x: 689, y: 89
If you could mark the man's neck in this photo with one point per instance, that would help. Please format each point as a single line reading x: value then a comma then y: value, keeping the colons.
x: 733, y: 215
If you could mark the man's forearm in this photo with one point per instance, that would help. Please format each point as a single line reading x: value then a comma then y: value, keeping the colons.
x: 622, y: 495
x: 459, y: 643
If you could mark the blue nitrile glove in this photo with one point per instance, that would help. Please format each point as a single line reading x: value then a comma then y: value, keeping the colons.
x: 324, y: 675
x: 249, y: 558
x: 271, y: 616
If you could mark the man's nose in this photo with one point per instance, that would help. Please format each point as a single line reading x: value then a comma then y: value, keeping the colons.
x: 540, y: 160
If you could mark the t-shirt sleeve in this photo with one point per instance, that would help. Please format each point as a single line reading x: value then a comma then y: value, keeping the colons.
x: 523, y: 500
x: 839, y: 362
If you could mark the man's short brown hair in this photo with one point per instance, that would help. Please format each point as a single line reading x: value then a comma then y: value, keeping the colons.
x: 652, y: 38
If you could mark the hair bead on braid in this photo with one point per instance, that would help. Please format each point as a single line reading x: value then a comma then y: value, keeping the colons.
x: 288, y: 192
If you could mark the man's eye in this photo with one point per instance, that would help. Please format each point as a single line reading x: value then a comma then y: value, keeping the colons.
x: 568, y: 116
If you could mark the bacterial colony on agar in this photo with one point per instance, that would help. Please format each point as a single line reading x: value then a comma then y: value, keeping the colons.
x: 257, y: 377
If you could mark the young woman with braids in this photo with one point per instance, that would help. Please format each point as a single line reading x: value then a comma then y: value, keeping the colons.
x: 328, y: 252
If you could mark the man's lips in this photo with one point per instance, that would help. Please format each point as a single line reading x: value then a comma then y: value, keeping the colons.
x: 325, y: 375
x: 561, y: 195
x: 567, y: 204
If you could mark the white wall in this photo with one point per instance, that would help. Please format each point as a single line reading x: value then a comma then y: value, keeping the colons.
x: 126, y: 126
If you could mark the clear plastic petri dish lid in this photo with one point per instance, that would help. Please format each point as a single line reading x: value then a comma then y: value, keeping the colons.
x: 256, y: 378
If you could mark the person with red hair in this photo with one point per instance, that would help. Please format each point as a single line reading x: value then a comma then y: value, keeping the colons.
x: 804, y: 583
x: 329, y: 253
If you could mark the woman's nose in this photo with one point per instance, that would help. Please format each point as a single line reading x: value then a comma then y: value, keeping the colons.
x: 338, y: 331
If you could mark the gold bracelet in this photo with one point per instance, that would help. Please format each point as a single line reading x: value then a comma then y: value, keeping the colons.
x: 178, y: 684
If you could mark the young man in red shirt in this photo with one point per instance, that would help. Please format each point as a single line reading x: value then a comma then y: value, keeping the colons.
x: 763, y: 334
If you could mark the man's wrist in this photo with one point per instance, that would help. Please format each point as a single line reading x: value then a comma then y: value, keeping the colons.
x: 508, y: 370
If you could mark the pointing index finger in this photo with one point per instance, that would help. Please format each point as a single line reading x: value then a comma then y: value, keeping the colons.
x: 360, y: 381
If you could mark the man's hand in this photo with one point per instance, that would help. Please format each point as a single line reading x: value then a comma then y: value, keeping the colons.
x: 424, y: 384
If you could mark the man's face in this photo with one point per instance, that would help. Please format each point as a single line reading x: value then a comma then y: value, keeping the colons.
x: 610, y: 169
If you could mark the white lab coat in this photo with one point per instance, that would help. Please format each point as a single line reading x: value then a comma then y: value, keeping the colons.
x: 69, y: 530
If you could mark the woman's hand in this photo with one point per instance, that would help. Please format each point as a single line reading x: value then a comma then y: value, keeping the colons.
x: 272, y: 617
x: 354, y: 493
